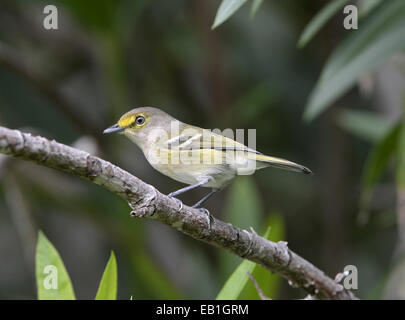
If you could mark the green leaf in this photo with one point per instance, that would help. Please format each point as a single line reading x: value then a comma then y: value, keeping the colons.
x: 366, y: 125
x: 226, y: 10
x: 255, y: 7
x: 243, y: 208
x: 376, y: 163
x: 53, y: 282
x: 379, y: 157
x: 269, y: 282
x: 400, y: 174
x: 238, y: 279
x: 319, y: 21
x: 236, y: 282
x: 107, y: 289
x: 380, y: 36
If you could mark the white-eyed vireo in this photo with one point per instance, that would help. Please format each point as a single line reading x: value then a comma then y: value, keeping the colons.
x: 192, y: 155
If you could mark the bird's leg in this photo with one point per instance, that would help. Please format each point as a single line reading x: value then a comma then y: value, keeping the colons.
x: 188, y: 188
x: 199, y: 203
x: 209, y: 215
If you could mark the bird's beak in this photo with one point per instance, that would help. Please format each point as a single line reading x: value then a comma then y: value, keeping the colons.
x: 114, y: 128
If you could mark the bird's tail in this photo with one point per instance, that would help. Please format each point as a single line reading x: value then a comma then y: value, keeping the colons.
x: 279, y: 163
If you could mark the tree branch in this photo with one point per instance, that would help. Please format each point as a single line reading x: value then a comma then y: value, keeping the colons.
x: 146, y: 201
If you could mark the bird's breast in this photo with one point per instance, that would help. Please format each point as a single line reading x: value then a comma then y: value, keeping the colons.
x: 188, y: 168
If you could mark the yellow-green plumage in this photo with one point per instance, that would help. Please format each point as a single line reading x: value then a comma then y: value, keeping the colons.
x: 191, y: 154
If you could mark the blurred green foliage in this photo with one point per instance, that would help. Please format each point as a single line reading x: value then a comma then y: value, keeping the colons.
x: 381, y: 35
x: 321, y: 18
x: 366, y: 125
x: 245, y: 209
x: 238, y: 279
x: 377, y: 162
x: 109, y: 56
x: 269, y: 282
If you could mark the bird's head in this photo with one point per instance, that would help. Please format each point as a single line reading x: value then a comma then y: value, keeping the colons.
x: 140, y: 123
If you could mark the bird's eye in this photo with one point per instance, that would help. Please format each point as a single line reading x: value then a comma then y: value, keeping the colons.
x: 140, y: 120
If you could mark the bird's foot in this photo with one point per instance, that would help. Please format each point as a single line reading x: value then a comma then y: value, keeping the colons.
x: 178, y: 201
x: 207, y: 213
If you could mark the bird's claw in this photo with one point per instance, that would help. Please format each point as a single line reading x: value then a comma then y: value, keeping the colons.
x: 206, y: 212
x: 178, y: 201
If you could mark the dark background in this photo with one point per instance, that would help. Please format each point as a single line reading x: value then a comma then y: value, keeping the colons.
x: 110, y: 56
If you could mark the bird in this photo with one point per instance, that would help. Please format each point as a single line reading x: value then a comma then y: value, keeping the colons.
x: 192, y: 155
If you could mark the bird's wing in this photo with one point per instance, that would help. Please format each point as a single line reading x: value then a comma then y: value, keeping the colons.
x: 192, y: 138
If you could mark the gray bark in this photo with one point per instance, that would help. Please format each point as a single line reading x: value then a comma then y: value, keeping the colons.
x: 146, y: 201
